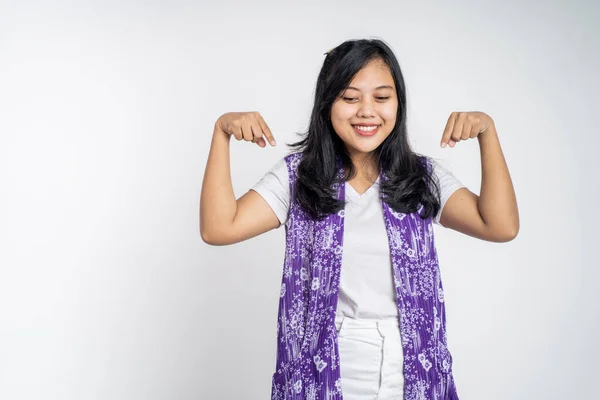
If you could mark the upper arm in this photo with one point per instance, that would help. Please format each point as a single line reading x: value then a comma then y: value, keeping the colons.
x: 253, y: 217
x: 263, y: 208
x: 461, y: 213
x: 459, y: 206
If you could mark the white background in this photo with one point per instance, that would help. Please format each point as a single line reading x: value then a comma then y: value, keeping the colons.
x: 106, y: 114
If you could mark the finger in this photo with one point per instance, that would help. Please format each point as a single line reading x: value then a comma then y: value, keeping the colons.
x: 451, y: 143
x: 458, y: 126
x: 256, y: 140
x: 247, y: 132
x: 466, y: 131
x: 256, y: 132
x: 261, y: 142
x: 237, y: 133
x: 266, y: 130
x: 448, y: 129
x: 474, y: 131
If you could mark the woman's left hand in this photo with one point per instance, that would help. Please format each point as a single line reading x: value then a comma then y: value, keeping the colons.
x: 465, y: 125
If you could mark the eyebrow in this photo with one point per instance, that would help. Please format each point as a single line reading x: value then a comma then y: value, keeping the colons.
x: 378, y: 87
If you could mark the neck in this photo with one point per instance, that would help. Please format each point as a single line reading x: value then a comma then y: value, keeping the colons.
x: 365, y: 165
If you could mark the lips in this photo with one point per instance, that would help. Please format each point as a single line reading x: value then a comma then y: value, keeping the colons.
x: 369, y: 130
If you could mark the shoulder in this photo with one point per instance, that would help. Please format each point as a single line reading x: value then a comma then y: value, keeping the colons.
x: 426, y: 161
x: 438, y: 168
x: 293, y: 157
x: 291, y: 161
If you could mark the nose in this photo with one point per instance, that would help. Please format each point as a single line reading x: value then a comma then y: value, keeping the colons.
x: 366, y: 109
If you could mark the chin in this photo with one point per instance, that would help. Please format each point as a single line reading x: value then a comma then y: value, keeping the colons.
x: 366, y: 148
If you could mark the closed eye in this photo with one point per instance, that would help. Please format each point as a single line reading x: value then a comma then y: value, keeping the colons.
x: 354, y: 98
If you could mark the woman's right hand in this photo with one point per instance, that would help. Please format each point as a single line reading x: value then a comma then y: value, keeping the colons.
x: 249, y: 126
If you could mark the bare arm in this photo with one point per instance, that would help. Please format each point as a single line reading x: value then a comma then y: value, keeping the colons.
x: 223, y: 219
x: 218, y: 204
x: 492, y: 216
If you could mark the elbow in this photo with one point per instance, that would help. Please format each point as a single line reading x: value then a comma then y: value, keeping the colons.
x: 213, y: 240
x: 207, y: 238
x: 507, y: 235
x: 207, y: 234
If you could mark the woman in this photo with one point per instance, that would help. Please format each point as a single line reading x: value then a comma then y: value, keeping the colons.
x: 355, y: 195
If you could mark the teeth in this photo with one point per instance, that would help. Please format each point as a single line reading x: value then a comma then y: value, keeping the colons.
x: 365, y: 128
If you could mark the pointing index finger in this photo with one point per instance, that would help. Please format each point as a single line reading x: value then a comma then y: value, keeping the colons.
x: 266, y: 130
x: 448, y: 129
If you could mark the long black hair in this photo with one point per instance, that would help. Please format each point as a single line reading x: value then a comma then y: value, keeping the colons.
x: 409, y: 181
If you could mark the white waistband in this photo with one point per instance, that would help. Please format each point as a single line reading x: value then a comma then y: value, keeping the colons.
x: 366, y: 323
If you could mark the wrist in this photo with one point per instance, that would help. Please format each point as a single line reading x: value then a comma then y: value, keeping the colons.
x: 219, y: 132
x: 490, y: 130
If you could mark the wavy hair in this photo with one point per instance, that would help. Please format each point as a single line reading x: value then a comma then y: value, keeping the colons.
x: 409, y: 182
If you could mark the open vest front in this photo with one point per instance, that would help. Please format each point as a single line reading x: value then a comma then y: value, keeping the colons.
x: 308, y: 361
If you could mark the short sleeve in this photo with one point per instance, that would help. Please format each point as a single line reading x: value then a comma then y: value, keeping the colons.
x: 448, y: 184
x: 274, y: 188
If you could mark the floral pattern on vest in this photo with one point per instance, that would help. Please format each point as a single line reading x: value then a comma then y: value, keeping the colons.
x: 308, y: 361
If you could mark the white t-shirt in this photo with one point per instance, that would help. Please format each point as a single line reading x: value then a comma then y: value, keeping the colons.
x: 367, y: 287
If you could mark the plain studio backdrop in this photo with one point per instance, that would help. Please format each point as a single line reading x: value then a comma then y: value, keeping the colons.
x: 106, y: 115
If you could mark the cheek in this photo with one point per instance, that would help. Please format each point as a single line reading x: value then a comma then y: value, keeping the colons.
x: 342, y: 113
x: 389, y: 113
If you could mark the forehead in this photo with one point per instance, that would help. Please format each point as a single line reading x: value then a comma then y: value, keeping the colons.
x: 376, y: 73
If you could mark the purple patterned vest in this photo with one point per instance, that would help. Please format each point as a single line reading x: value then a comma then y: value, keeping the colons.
x: 308, y: 362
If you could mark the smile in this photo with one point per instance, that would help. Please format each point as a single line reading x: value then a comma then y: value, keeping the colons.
x: 366, y: 130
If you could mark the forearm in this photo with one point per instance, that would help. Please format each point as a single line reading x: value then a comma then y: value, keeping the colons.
x: 218, y: 204
x: 497, y: 200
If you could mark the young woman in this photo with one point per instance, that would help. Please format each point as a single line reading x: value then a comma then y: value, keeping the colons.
x: 361, y: 288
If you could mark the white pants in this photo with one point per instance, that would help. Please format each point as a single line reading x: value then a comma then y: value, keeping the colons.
x: 371, y: 358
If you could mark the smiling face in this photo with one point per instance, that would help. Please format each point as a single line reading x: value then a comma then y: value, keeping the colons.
x: 365, y: 114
